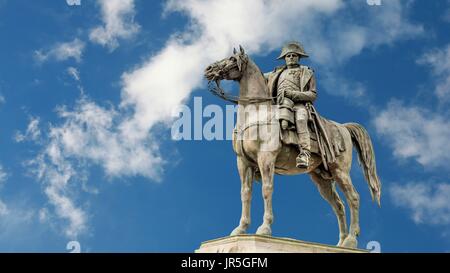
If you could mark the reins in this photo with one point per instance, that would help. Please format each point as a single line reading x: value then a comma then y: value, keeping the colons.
x: 219, y: 92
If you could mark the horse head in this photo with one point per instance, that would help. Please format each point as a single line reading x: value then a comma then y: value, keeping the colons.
x: 230, y: 68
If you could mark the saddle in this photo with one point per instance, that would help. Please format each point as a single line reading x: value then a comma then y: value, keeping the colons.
x: 326, y: 139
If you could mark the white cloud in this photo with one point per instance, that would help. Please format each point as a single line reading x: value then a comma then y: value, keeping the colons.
x: 19, y: 226
x: 345, y: 35
x: 58, y: 177
x: 439, y: 61
x: 2, y: 99
x: 43, y: 215
x: 33, y: 131
x: 92, y: 132
x: 354, y: 91
x: 3, y: 177
x: 428, y: 203
x: 3, y: 208
x: 74, y: 73
x: 89, y: 134
x: 416, y: 133
x: 118, y: 23
x: 73, y: 2
x: 61, y: 52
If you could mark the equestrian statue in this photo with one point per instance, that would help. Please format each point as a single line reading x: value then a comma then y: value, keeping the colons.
x: 278, y: 131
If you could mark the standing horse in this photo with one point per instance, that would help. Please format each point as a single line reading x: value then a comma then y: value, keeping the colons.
x: 266, y: 156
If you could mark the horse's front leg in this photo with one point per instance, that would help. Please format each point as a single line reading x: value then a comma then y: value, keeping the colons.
x: 246, y: 175
x: 266, y: 163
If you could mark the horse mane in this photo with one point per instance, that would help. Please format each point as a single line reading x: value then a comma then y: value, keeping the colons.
x: 256, y: 67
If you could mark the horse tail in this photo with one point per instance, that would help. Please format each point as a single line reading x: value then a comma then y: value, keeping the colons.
x: 366, y: 156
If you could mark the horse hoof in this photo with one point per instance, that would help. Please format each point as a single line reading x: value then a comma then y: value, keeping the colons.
x: 350, y: 242
x: 264, y: 230
x: 238, y: 231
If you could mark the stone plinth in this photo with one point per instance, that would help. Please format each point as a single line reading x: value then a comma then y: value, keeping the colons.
x: 267, y: 244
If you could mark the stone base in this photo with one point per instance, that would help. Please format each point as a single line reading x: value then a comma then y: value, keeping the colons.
x: 267, y: 244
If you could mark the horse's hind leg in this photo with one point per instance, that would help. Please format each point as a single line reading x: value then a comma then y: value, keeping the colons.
x: 345, y: 183
x: 328, y: 191
x: 266, y: 163
x: 246, y: 175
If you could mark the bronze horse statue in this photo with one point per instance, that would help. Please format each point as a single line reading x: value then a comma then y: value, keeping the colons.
x: 264, y: 154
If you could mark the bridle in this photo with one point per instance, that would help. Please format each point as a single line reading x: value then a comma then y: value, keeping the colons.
x: 221, y: 70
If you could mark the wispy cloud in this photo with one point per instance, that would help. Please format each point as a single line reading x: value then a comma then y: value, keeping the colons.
x: 439, y: 61
x: 59, y: 178
x: 428, y: 202
x: 3, y: 208
x: 118, y: 23
x: 89, y: 134
x: 343, y: 36
x: 14, y: 222
x: 93, y: 133
x: 61, y: 52
x: 33, y: 131
x: 74, y: 73
x: 2, y: 99
x: 73, y: 2
x: 19, y: 228
x: 416, y: 133
x: 3, y: 177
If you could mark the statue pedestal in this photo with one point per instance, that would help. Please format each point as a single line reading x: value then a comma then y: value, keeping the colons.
x: 267, y: 244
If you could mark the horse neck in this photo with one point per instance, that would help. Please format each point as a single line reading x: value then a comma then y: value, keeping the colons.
x: 252, y: 84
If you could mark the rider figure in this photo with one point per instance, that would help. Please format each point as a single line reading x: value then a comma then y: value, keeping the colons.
x: 295, y: 84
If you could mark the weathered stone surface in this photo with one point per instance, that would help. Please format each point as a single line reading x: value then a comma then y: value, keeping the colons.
x: 267, y: 244
x: 261, y: 153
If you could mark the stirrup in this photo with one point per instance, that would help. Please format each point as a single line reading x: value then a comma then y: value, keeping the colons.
x: 302, y: 160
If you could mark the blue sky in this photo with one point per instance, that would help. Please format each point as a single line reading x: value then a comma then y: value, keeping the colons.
x: 87, y: 95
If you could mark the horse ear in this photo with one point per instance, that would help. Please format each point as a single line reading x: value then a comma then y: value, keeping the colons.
x: 241, y: 49
x: 234, y: 50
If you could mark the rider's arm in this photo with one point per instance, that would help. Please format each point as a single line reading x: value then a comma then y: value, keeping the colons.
x: 297, y: 96
x: 305, y: 96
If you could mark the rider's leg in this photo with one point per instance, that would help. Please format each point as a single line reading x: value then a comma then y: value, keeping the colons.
x: 301, y: 122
